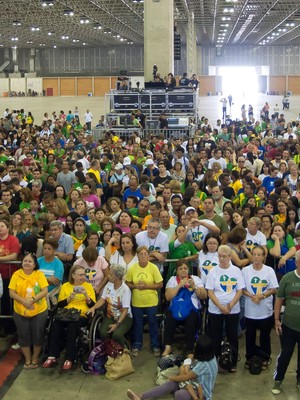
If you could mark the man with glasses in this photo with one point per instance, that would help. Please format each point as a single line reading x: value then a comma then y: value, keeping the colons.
x: 65, y: 250
x: 155, y: 240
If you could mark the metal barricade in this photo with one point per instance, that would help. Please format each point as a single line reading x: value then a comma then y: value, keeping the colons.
x: 100, y: 133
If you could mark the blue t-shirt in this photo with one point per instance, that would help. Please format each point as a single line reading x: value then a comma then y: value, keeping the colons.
x: 53, y: 268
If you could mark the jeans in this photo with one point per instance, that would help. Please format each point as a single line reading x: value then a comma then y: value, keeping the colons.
x: 231, y: 330
x: 288, y: 339
x: 166, y: 388
x: 137, y: 332
x: 264, y: 326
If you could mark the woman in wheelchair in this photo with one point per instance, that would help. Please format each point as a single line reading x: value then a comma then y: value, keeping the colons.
x: 79, y: 294
x: 184, y: 291
x: 116, y: 298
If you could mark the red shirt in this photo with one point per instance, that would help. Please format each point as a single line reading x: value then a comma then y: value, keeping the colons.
x: 8, y: 246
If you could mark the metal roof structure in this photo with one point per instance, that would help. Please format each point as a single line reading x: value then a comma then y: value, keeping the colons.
x: 77, y: 23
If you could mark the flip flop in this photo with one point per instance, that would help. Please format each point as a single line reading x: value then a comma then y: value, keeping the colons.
x: 27, y: 366
x: 34, y: 365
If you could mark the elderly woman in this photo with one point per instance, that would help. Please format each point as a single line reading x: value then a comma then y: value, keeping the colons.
x: 96, y: 268
x: 28, y: 288
x: 224, y: 284
x: 116, y: 298
x: 190, y: 289
x: 79, y: 294
x: 144, y: 279
x: 260, y: 286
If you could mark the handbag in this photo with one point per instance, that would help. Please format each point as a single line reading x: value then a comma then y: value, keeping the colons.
x: 113, y: 349
x: 118, y: 366
x: 67, y: 314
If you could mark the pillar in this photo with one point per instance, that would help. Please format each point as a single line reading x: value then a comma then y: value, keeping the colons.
x: 16, y: 73
x: 158, y: 37
x: 191, y: 46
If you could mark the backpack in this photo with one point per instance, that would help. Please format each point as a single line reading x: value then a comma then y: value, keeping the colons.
x: 97, y: 360
x: 255, y: 365
x: 225, y: 358
x: 181, y: 305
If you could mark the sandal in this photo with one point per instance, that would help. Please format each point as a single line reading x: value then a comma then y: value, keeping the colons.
x: 233, y: 370
x: 265, y: 365
x: 27, y: 366
x: 49, y: 362
x: 34, y: 365
x: 67, y: 365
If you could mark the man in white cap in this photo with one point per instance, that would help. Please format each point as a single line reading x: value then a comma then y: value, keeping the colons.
x: 197, y: 230
x: 150, y: 169
x: 116, y: 180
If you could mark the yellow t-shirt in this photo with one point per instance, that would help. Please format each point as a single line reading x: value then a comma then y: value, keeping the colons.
x: 236, y: 186
x: 79, y: 301
x: 150, y: 275
x: 28, y: 286
x: 148, y: 217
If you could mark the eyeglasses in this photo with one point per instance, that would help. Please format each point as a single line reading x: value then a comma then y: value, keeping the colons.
x: 79, y: 274
x: 153, y: 228
x: 241, y: 161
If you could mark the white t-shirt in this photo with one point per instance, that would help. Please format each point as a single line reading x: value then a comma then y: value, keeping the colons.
x: 199, y: 233
x: 255, y: 240
x: 169, y: 232
x: 172, y: 283
x: 160, y: 243
x: 206, y: 263
x: 224, y: 283
x: 257, y: 282
x: 116, y: 298
x: 116, y: 258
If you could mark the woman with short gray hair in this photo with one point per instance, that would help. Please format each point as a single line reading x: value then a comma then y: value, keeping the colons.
x: 116, y: 297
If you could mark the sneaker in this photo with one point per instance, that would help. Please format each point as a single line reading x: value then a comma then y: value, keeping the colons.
x: 135, y: 352
x: 156, y: 352
x: 16, y: 346
x: 67, y: 365
x: 277, y: 387
x: 49, y: 363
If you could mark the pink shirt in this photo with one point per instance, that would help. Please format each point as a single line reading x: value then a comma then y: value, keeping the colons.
x: 92, y: 198
x: 94, y: 275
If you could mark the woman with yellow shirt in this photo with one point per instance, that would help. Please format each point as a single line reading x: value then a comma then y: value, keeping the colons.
x: 28, y: 288
x: 144, y: 279
x: 79, y: 294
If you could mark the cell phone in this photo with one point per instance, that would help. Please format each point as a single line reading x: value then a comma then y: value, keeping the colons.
x: 77, y: 289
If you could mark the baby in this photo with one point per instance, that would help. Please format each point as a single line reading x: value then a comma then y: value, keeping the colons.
x: 190, y: 385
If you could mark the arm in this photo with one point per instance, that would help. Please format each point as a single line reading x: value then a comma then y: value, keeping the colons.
x: 104, y: 281
x: 173, y: 291
x: 241, y: 263
x: 235, y: 299
x: 276, y: 250
x: 9, y: 257
x: 116, y: 325
x: 183, y: 377
x: 157, y: 256
x: 277, y: 308
x: 224, y: 309
x: 100, y: 303
x: 63, y: 256
x: 290, y: 254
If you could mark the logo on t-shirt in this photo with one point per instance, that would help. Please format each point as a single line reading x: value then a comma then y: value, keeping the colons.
x: 250, y: 245
x: 90, y: 274
x: 227, y: 284
x: 258, y: 286
x: 197, y: 236
x: 207, y: 266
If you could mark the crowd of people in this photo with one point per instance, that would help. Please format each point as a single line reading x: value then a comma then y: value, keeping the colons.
x: 135, y: 223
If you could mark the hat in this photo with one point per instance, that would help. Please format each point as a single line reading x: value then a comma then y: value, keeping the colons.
x: 126, y: 161
x: 149, y: 162
x: 119, y: 166
x: 189, y: 209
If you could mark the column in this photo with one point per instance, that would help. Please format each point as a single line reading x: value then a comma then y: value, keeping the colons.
x: 191, y: 46
x: 158, y: 37
x: 16, y: 73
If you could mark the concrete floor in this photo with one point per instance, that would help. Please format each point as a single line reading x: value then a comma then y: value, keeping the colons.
x: 51, y: 384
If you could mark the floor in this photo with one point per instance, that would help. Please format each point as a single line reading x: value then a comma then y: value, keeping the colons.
x: 49, y: 384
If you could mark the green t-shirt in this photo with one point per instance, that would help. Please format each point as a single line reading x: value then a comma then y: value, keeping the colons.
x: 289, y: 242
x: 95, y: 227
x: 219, y: 221
x: 289, y: 289
x: 186, y: 249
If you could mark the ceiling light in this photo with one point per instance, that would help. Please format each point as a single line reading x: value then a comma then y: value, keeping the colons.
x: 138, y: 1
x: 47, y: 3
x: 84, y: 44
x: 29, y: 42
x: 14, y: 39
x: 69, y: 12
x: 17, y: 22
x: 65, y: 37
x: 14, y: 47
x: 97, y: 26
x: 84, y: 20
x: 50, y: 33
x: 35, y: 28
x: 75, y: 40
